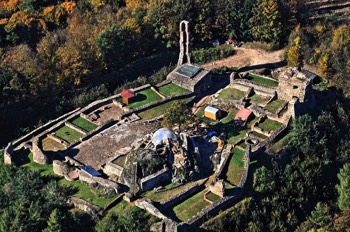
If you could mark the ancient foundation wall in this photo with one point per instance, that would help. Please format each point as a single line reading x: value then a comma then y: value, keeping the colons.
x: 155, y: 180
x: 98, y: 180
x: 38, y: 154
x: 74, y: 127
x: 180, y: 197
x: 258, y: 88
x: 149, y: 207
x: 86, y: 206
x: 112, y: 169
x: 8, y: 151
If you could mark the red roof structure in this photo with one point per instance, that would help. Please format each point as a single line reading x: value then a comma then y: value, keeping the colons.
x: 127, y: 93
x: 243, y: 114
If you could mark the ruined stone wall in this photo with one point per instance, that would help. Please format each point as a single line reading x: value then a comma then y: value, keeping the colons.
x: 38, y: 154
x: 85, y: 206
x: 149, y: 207
x: 74, y: 127
x: 155, y: 180
x: 91, y: 180
x: 112, y: 169
x: 41, y: 129
x: 8, y: 151
x: 180, y: 197
x: 224, y: 158
x: 258, y: 88
x: 246, y: 167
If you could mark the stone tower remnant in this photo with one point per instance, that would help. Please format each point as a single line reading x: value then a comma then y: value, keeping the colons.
x: 184, y: 34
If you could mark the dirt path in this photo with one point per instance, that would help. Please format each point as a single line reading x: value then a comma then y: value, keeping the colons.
x: 247, y: 57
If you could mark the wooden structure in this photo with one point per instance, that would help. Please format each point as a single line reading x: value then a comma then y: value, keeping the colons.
x: 127, y: 96
x: 212, y: 113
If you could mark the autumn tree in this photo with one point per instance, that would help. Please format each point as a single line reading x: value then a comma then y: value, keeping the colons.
x: 294, y: 54
x: 265, y: 22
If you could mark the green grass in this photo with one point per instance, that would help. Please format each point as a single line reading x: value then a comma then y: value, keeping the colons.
x: 45, y: 169
x: 259, y: 135
x: 120, y: 208
x: 241, y: 134
x: 230, y: 116
x: 87, y: 193
x: 235, y: 167
x: 51, y: 145
x: 68, y: 134
x: 212, y: 197
x: 242, y: 144
x: 269, y: 125
x: 274, y: 105
x: 190, y: 207
x: 144, y: 97
x: 262, y: 80
x: 84, y: 124
x: 172, y: 89
x: 259, y: 99
x: 165, y: 195
x: 280, y: 144
x: 157, y: 110
x: 231, y: 93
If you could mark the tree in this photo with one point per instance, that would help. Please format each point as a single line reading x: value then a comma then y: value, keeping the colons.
x: 265, y: 22
x: 324, y: 68
x: 321, y: 216
x: 344, y: 187
x: 264, y: 180
x: 294, y: 55
x: 177, y: 114
x: 54, y: 223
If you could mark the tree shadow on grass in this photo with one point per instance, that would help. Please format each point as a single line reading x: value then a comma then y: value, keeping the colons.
x: 21, y: 157
x: 139, y: 97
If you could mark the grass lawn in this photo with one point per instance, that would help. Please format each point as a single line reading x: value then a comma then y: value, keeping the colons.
x: 274, y: 105
x: 269, y: 125
x: 235, y: 167
x: 262, y: 80
x: 172, y: 89
x: 165, y: 195
x: 212, y: 197
x: 45, y: 169
x: 120, y: 160
x: 51, y: 145
x: 190, y: 207
x: 87, y: 193
x: 157, y: 110
x: 242, y: 132
x: 259, y: 99
x: 120, y: 208
x: 144, y: 97
x: 231, y: 93
x: 259, y: 135
x: 68, y: 134
x: 280, y: 144
x: 230, y: 116
x: 84, y: 124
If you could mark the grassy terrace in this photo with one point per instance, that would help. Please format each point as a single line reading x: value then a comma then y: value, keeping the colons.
x: 280, y: 144
x: 259, y: 135
x: 259, y: 99
x: 234, y: 169
x: 84, y: 124
x: 262, y: 80
x: 157, y: 110
x: 231, y: 93
x: 51, y: 145
x: 193, y: 205
x: 274, y: 105
x: 120, y: 160
x: 269, y: 125
x: 68, y: 134
x: 212, y: 197
x: 144, y: 97
x: 172, y: 89
x: 241, y: 133
x: 83, y: 191
x: 165, y: 195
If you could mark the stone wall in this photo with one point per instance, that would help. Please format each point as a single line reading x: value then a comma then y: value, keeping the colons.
x: 85, y: 206
x: 258, y: 88
x: 58, y: 139
x: 43, y: 128
x: 60, y: 168
x: 224, y: 158
x: 112, y: 169
x: 149, y: 207
x: 93, y: 180
x: 155, y: 180
x: 74, y: 127
x: 8, y: 151
x: 38, y: 154
x: 180, y: 197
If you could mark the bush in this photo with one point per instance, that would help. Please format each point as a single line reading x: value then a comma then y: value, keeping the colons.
x: 211, y: 54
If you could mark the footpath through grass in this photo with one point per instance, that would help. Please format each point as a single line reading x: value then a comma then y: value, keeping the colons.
x: 84, y: 124
x: 171, y: 90
x: 68, y: 134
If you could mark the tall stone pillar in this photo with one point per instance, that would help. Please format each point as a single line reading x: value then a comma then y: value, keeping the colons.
x: 184, y: 35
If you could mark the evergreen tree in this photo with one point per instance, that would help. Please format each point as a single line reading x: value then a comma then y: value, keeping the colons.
x: 344, y: 187
x: 54, y: 223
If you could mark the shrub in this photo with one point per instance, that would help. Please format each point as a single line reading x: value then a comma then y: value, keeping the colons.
x: 203, y: 55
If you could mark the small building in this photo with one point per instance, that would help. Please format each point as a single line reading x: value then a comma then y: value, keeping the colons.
x: 90, y: 171
x: 212, y: 113
x: 243, y: 115
x: 127, y: 95
x: 191, y: 77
